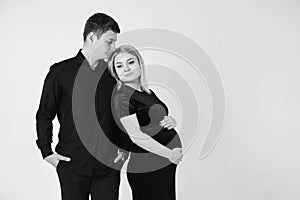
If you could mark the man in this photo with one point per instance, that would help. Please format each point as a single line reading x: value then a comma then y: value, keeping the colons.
x: 80, y: 173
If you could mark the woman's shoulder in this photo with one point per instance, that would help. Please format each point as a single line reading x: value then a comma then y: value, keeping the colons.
x: 124, y: 102
x: 125, y: 96
x: 124, y: 93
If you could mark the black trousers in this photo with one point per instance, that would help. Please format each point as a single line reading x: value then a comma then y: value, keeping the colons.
x: 78, y: 187
x: 155, y: 185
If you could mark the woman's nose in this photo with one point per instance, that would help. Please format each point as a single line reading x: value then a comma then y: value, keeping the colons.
x: 127, y: 68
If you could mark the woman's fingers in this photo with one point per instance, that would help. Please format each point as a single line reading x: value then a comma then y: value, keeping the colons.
x: 176, y: 156
x: 169, y: 127
x: 168, y: 122
x: 118, y: 158
x: 179, y: 160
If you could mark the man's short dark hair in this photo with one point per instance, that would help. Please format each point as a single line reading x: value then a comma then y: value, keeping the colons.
x: 99, y: 23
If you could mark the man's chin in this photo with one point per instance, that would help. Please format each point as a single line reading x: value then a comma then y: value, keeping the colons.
x: 103, y: 58
x: 109, y: 54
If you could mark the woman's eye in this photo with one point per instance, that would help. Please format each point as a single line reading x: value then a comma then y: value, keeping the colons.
x: 118, y: 66
x: 131, y: 62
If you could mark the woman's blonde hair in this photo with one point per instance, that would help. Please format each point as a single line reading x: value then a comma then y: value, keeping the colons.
x: 132, y: 51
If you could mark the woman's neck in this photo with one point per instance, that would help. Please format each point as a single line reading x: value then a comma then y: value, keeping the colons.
x: 134, y: 84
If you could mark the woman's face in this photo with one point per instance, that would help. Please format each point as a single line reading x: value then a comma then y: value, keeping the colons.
x: 127, y: 67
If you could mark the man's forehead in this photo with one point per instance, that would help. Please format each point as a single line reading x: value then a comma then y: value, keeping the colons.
x: 110, y: 35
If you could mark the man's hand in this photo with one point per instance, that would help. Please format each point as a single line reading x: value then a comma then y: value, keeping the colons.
x: 121, y: 156
x: 54, y: 158
x: 168, y: 122
x: 176, y: 156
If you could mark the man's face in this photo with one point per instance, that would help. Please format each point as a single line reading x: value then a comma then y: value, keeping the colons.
x: 105, y: 45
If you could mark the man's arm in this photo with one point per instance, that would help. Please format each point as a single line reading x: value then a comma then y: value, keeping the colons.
x: 47, y: 112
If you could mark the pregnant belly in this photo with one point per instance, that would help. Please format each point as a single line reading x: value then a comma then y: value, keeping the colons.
x: 168, y: 138
x: 143, y: 161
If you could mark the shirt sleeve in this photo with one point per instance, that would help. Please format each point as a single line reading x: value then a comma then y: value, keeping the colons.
x: 124, y: 105
x: 47, y: 111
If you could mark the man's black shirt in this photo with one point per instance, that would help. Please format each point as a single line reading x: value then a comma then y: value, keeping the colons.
x: 56, y: 100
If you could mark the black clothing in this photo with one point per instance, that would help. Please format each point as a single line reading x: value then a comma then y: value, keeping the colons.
x: 150, y: 110
x: 150, y: 175
x: 78, y: 187
x: 159, y: 184
x: 56, y: 99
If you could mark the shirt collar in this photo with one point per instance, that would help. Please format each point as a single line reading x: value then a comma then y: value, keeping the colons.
x: 80, y: 57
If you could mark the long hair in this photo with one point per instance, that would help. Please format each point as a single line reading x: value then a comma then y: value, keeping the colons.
x: 132, y: 51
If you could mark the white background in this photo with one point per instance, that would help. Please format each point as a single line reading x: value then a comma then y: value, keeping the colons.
x: 255, y: 46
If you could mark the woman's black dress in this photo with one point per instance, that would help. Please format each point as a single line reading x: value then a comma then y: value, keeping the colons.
x: 150, y: 176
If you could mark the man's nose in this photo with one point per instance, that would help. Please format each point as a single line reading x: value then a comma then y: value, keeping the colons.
x: 113, y: 47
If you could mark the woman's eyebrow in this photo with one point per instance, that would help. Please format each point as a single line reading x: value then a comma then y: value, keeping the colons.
x: 126, y: 60
x: 130, y: 59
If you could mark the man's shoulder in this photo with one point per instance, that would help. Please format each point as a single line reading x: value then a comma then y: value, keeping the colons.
x: 64, y: 63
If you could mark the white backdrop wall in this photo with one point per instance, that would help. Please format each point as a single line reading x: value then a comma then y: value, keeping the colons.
x: 255, y: 46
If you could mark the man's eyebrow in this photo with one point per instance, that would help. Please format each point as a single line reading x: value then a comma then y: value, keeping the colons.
x: 111, y: 38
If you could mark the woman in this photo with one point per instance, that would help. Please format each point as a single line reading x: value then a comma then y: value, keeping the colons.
x: 156, y: 147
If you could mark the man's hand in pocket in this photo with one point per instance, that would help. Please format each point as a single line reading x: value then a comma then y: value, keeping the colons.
x: 54, y: 158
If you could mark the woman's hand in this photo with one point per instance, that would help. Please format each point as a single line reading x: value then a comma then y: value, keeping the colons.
x: 176, y: 156
x: 168, y: 122
x: 121, y: 156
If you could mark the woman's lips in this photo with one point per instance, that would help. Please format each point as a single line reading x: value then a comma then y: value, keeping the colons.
x: 129, y: 74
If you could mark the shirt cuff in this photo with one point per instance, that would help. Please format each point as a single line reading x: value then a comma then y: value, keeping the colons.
x: 46, y: 151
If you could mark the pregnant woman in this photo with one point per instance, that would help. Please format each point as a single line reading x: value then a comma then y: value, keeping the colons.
x: 155, y: 146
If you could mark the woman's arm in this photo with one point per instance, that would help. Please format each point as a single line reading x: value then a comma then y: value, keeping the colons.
x: 143, y: 140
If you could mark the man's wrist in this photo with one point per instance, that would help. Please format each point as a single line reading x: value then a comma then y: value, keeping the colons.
x: 46, y: 151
